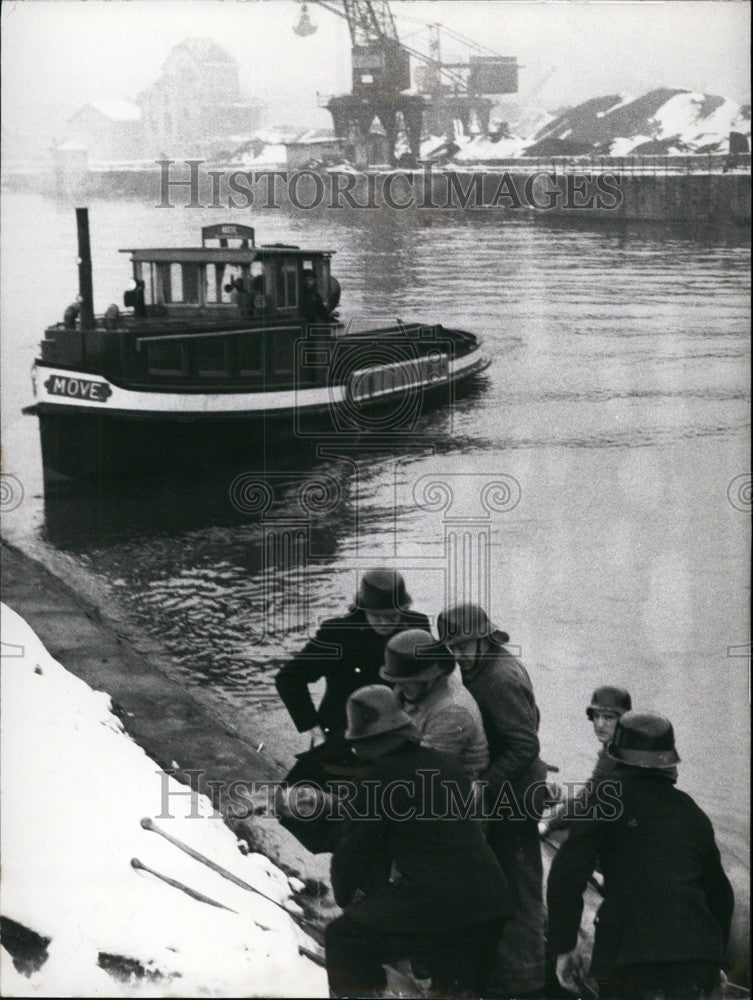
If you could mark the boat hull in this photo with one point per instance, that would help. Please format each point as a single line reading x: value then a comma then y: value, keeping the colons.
x: 92, y: 429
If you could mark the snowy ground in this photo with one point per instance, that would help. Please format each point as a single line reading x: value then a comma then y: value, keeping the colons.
x: 74, y: 790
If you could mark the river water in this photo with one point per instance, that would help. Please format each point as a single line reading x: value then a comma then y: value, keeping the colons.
x: 615, y: 417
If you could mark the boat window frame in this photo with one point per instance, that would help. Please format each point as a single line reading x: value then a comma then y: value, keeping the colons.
x: 182, y: 372
x: 143, y: 270
x: 260, y: 336
x: 195, y: 270
x: 224, y: 373
x: 285, y: 268
x: 205, y: 271
x: 292, y: 333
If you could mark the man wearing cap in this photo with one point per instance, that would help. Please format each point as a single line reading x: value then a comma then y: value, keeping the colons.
x: 665, y: 920
x: 417, y: 881
x: 445, y: 714
x: 503, y: 691
x: 608, y: 704
x: 348, y: 652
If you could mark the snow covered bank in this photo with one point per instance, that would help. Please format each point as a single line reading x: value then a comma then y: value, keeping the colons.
x: 74, y: 790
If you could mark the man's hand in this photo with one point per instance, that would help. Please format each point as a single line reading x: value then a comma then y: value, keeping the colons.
x: 570, y: 965
x: 302, y: 802
x: 318, y: 736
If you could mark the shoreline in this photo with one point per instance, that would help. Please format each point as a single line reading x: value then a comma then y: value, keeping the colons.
x: 169, y: 723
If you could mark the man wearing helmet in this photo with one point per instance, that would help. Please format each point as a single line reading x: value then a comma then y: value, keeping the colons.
x: 445, y: 714
x: 348, y: 652
x: 663, y: 926
x: 418, y: 883
x: 608, y: 704
x: 502, y: 689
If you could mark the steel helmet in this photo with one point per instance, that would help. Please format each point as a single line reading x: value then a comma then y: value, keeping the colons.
x: 644, y: 739
x: 468, y: 621
x: 609, y: 699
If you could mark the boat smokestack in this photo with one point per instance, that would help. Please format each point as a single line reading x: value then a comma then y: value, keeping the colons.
x: 85, y: 269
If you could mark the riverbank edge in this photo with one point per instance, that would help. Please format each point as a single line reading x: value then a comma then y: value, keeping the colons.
x: 168, y: 722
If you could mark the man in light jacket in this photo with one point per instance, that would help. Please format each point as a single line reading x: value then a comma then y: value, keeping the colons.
x: 514, y: 782
x: 445, y: 714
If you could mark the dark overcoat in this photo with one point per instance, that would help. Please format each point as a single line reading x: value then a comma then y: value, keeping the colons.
x: 427, y: 871
x: 503, y: 691
x: 348, y: 653
x: 666, y: 897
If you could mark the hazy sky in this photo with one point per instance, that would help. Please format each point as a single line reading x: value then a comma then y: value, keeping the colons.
x: 58, y: 55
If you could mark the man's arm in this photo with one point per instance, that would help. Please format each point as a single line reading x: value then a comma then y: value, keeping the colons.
x: 513, y: 716
x: 361, y: 860
x: 719, y: 895
x: 568, y: 878
x: 451, y: 730
x: 292, y: 680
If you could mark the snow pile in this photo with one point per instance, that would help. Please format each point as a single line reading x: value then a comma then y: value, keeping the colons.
x: 488, y: 148
x: 273, y: 155
x: 697, y: 122
x: 665, y: 120
x: 75, y: 788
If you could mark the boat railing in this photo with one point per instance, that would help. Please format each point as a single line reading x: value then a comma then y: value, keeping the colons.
x: 198, y: 326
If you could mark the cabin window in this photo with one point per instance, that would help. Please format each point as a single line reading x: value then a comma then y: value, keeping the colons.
x: 147, y: 276
x: 176, y: 283
x: 231, y: 272
x: 191, y: 283
x: 166, y: 358
x: 212, y: 279
x: 251, y: 356
x: 162, y: 284
x: 287, y: 286
x: 212, y: 357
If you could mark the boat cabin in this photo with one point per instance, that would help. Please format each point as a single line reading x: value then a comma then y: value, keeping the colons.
x: 226, y: 314
x: 218, y: 282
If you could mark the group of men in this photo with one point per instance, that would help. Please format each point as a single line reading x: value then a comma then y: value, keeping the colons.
x: 455, y: 896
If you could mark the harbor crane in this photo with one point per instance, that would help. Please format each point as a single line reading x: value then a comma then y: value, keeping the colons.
x: 381, y: 79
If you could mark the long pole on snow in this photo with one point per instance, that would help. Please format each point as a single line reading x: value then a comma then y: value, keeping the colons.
x: 193, y: 893
x: 311, y: 929
x: 149, y: 824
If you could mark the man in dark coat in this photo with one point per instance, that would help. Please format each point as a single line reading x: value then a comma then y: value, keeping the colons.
x: 513, y: 787
x: 348, y: 652
x: 665, y: 920
x: 312, y: 303
x: 416, y: 878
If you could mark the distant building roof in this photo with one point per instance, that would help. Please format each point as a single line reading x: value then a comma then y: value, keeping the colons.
x: 121, y: 111
x: 203, y: 50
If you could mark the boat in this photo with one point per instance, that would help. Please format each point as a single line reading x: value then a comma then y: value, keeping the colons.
x: 219, y: 351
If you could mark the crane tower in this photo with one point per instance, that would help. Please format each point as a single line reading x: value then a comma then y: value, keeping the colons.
x: 381, y: 80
